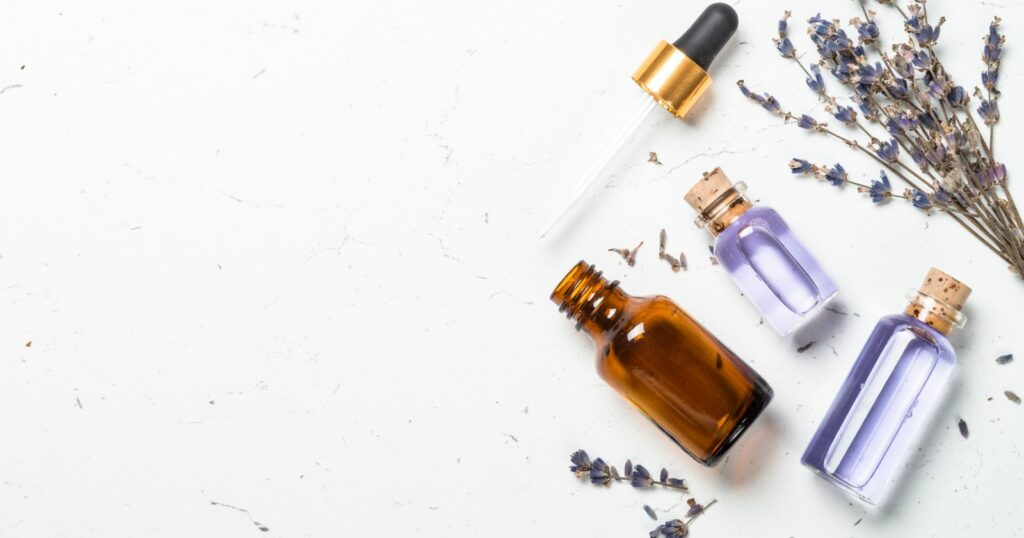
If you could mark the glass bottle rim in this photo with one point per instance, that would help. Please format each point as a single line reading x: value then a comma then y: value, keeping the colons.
x: 720, y: 204
x: 932, y: 306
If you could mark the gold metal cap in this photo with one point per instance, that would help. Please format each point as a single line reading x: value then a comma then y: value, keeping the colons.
x: 672, y: 78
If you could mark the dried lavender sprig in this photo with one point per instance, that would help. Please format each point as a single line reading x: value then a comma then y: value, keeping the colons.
x: 600, y: 473
x: 879, y: 190
x: 678, y: 528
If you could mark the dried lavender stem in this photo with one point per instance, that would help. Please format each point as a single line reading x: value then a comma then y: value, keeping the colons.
x: 853, y: 144
x: 705, y: 509
x: 653, y: 482
x: 856, y: 145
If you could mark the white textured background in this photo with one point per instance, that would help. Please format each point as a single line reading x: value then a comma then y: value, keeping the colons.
x: 280, y: 257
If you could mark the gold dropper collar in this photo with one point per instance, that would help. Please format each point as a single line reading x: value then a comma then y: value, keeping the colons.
x: 672, y: 78
x: 717, y: 201
x: 938, y: 301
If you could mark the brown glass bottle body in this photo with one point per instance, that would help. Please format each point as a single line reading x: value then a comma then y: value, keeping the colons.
x: 666, y: 364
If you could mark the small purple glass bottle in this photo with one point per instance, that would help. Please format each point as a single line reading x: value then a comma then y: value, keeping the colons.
x: 766, y: 260
x: 891, y: 393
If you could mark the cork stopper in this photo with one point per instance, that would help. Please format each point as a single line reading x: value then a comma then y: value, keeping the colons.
x: 717, y: 200
x: 945, y: 288
x: 938, y: 301
x: 707, y: 190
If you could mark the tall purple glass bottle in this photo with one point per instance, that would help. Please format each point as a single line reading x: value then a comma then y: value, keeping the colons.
x: 891, y: 393
x: 763, y: 256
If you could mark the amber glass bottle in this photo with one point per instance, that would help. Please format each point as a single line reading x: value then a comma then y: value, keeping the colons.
x: 666, y: 364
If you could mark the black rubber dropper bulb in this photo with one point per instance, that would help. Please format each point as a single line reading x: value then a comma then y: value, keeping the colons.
x: 708, y: 34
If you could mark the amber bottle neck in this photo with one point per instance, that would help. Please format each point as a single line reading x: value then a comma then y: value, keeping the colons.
x: 585, y: 296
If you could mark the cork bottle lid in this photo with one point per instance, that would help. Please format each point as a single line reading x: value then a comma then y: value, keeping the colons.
x: 945, y: 288
x: 707, y: 190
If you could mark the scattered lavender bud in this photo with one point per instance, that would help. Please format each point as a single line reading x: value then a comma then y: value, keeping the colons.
x: 678, y: 528
x: 673, y: 262
x: 650, y: 512
x: 1004, y: 359
x: 695, y: 507
x: 1012, y: 396
x: 628, y: 255
x: 963, y: 428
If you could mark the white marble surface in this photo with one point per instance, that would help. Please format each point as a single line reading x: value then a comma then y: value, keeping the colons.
x: 277, y: 264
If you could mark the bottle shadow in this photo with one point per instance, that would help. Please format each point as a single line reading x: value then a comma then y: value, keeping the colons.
x: 753, y: 453
x: 824, y: 325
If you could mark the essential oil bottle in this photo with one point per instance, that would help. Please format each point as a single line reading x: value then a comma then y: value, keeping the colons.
x: 763, y: 256
x: 665, y: 363
x: 890, y: 394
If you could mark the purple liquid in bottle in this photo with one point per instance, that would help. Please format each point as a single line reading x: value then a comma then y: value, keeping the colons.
x: 887, y: 400
x: 762, y: 255
x: 773, y: 268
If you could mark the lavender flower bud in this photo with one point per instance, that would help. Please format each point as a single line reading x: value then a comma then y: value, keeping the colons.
x: 785, y: 47
x: 881, y: 189
x: 783, y: 25
x: 815, y: 82
x: 957, y: 97
x: 990, y: 76
x: 836, y: 175
x: 845, y: 114
x: 800, y: 166
x: 868, y: 32
x: 989, y: 112
x: 921, y: 200
x: 888, y: 151
x: 807, y: 122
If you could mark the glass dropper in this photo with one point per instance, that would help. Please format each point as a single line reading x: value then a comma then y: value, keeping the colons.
x: 673, y: 76
x: 645, y: 105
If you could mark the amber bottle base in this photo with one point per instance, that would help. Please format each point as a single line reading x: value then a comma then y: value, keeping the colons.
x: 758, y: 402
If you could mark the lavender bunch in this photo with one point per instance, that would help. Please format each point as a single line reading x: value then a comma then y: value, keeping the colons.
x: 905, y: 111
